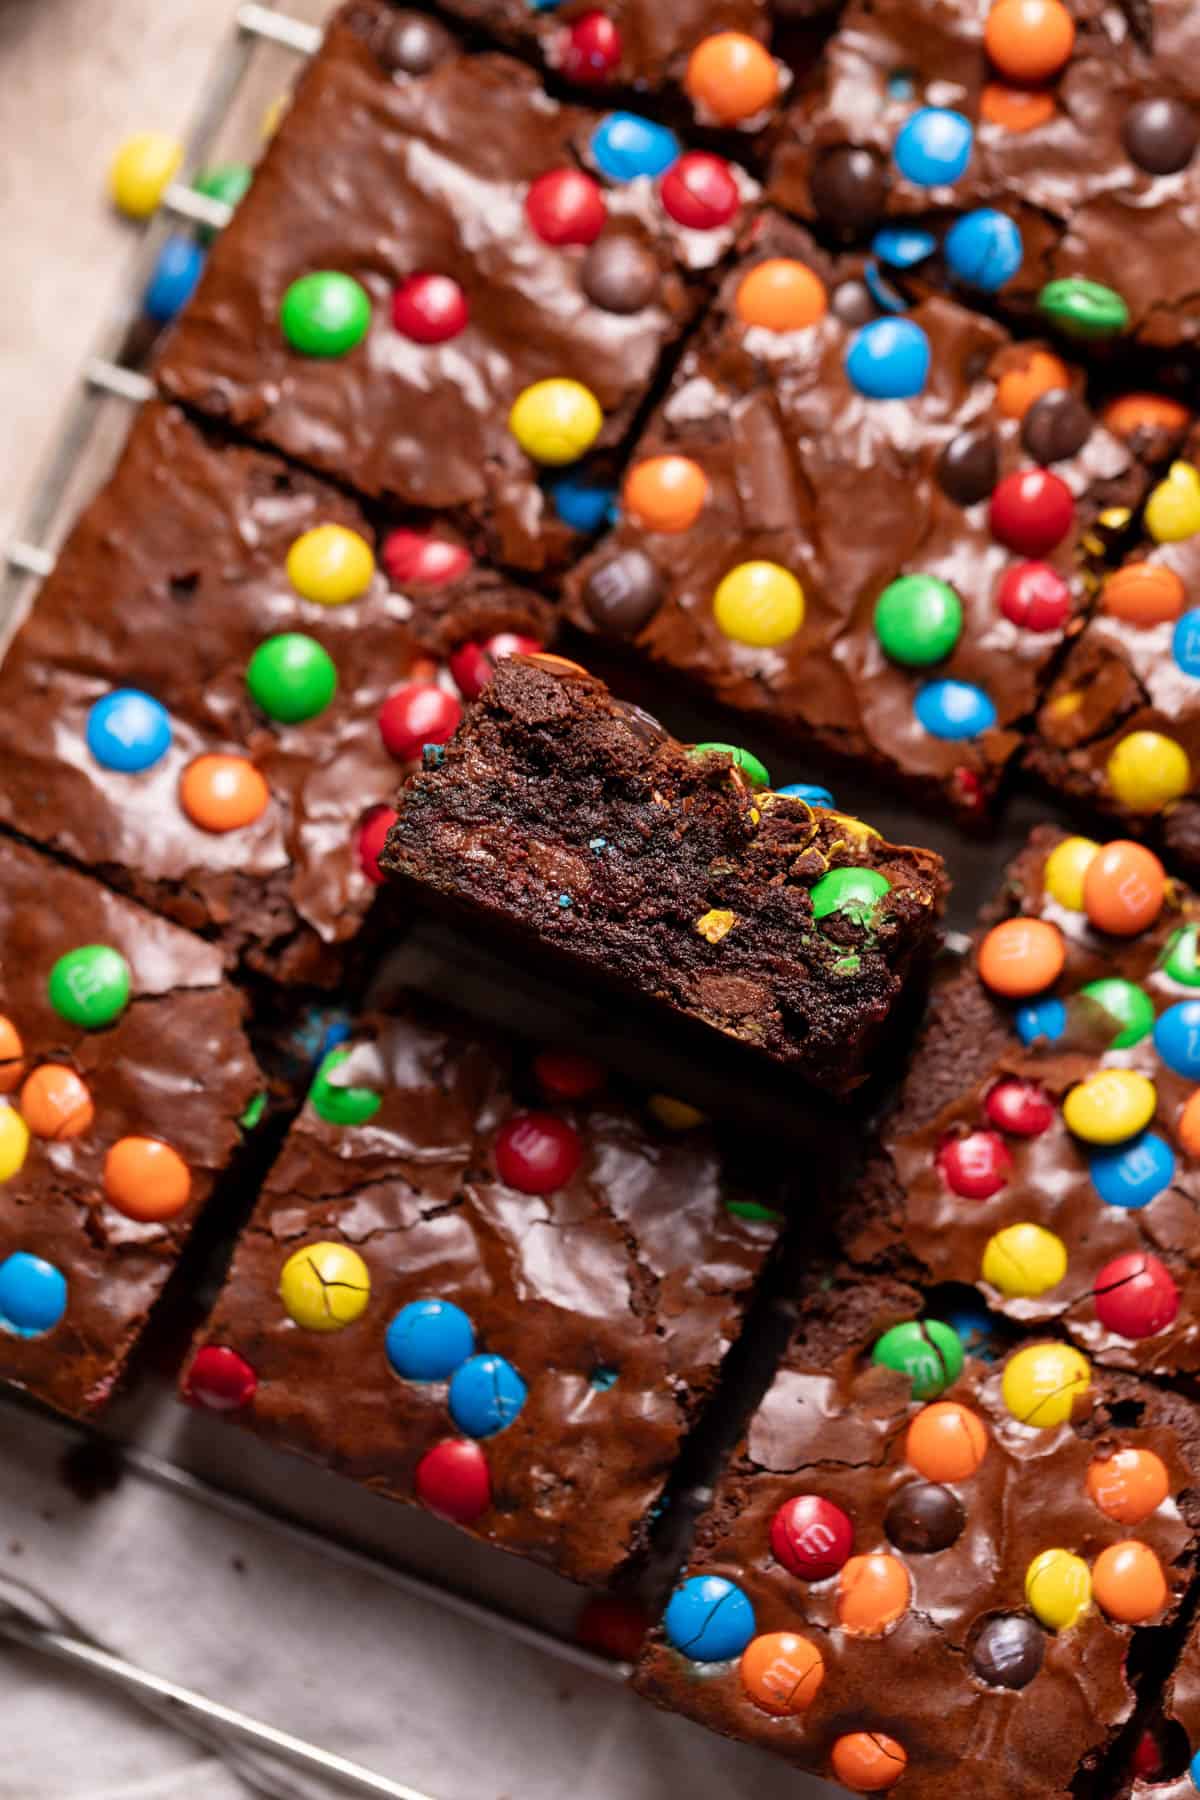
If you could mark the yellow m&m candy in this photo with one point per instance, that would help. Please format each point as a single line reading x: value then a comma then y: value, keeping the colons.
x: 1173, y: 509
x: 1042, y: 1383
x: 759, y: 603
x: 1110, y: 1106
x: 14, y: 1141
x: 331, y: 564
x: 141, y: 171
x: 325, y: 1287
x: 1066, y: 866
x: 555, y: 421
x: 1146, y: 771
x: 1058, y: 1587
x: 1024, y: 1260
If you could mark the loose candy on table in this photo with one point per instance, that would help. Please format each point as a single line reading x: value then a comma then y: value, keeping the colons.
x: 173, y: 279
x: 141, y: 171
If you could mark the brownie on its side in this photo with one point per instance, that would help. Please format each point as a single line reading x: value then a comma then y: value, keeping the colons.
x: 1006, y: 1166
x: 179, y: 626
x: 421, y: 247
x: 492, y: 1286
x: 923, y: 1573
x: 123, y: 1075
x: 1018, y: 154
x: 572, y: 819
x: 1120, y: 727
x: 872, y: 531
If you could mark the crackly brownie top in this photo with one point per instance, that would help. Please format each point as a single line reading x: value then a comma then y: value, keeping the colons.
x: 929, y: 1570
x: 1044, y: 1146
x: 488, y: 1283
x: 420, y: 250
x: 868, y: 527
x: 123, y: 1073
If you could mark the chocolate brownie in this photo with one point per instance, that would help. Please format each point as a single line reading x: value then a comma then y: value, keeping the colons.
x: 1018, y: 150
x: 1162, y: 1763
x: 1042, y: 1146
x: 421, y: 249
x: 844, y: 521
x: 571, y: 820
x: 486, y: 1281
x: 123, y: 1075
x: 926, y: 1573
x: 1120, y: 727
x: 179, y: 626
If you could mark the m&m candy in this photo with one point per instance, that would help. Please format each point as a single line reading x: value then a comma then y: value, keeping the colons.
x: 730, y: 77
x: 1020, y: 1107
x: 954, y: 710
x: 1160, y: 134
x: 700, y: 191
x: 128, y: 731
x: 867, y: 1762
x: 925, y: 1350
x: 486, y: 1395
x: 325, y: 313
x: 220, y: 1379
x: 55, y: 1102
x: 90, y: 986
x: 889, y: 359
x: 984, y: 249
x: 453, y: 1480
x: 324, y: 1286
x: 709, y: 1619
x: 1134, y: 1174
x: 422, y: 557
x: 12, y: 1056
x: 811, y: 792
x: 1023, y: 1261
x: 1185, y: 643
x: 338, y: 1100
x: 555, y: 420
x: 918, y: 620
x: 33, y: 1295
x: 781, y: 1672
x: 1177, y: 1038
x: 1045, y: 1021
x: 473, y: 665
x: 903, y: 246
x: 924, y: 1517
x: 852, y: 893
x: 743, y: 760
x: 141, y: 170
x: 1147, y: 770
x: 1007, y: 1651
x: 592, y: 50
x: 1031, y: 511
x: 811, y: 1536
x: 975, y: 1166
x: 1127, y: 1006
x: 291, y: 677
x: 173, y: 278
x: 1029, y: 40
x: 430, y: 308
x: 759, y: 604
x: 933, y: 146
x: 1128, y: 1484
x: 1066, y: 866
x: 146, y: 1179
x: 417, y: 714
x: 1188, y: 1126
x: 1123, y: 888
x: 1041, y: 1384
x: 1143, y: 593
x: 1021, y: 956
x: 1173, y: 509
x: 665, y: 493
x: 331, y: 564
x: 873, y: 1592
x: 536, y: 1153
x: 428, y: 1340
x: 625, y: 146
x: 781, y: 294
x: 1085, y: 309
x: 1136, y: 1295
x: 223, y: 793
x: 582, y: 500
x: 1019, y: 388
x: 14, y: 1141
x: 566, y: 206
x: 566, y: 1075
x: 1110, y: 1106
x: 1181, y: 958
x: 1058, y: 1587
x: 1034, y: 596
x: 946, y: 1441
x: 1129, y: 1583
x: 226, y: 182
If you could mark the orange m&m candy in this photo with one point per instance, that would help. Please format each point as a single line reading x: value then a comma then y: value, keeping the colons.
x: 222, y: 793
x: 665, y: 493
x: 1041, y: 373
x: 1021, y: 956
x: 12, y: 1056
x: 1123, y: 888
x: 1189, y: 1125
x: 55, y: 1103
x: 1144, y: 412
x: 1029, y: 40
x: 873, y: 1592
x: 946, y: 1441
x: 867, y: 1762
x: 731, y: 76
x: 782, y: 1672
x: 1128, y: 1485
x: 145, y: 1179
x: 781, y: 294
x: 1014, y: 108
x: 1143, y: 593
x: 1128, y: 1582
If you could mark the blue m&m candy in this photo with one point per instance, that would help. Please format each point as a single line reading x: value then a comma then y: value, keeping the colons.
x: 889, y: 359
x: 984, y: 249
x: 1133, y: 1174
x: 1044, y: 1019
x: 954, y: 709
x: 1177, y: 1038
x: 1194, y: 1770
x: 486, y: 1394
x: 33, y: 1295
x: 173, y: 279
x: 128, y: 730
x: 886, y: 297
x: 625, y: 146
x: 903, y: 246
x: 709, y: 1619
x: 934, y: 146
x: 808, y: 791
x: 581, y: 501
x: 1185, y: 644
x: 428, y: 1339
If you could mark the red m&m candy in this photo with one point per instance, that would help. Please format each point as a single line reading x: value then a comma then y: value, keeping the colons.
x: 592, y: 50
x: 976, y: 1166
x: 1123, y: 888
x: 473, y: 665
x: 430, y: 308
x: 1031, y: 511
x: 415, y: 715
x: 220, y: 1379
x: 565, y: 1075
x: 417, y: 556
x: 565, y: 206
x: 536, y: 1153
x: 1136, y: 1295
x: 811, y: 1537
x: 699, y: 191
x: 452, y: 1479
x: 613, y: 1626
x: 1034, y: 596
x: 372, y: 835
x: 1020, y: 1107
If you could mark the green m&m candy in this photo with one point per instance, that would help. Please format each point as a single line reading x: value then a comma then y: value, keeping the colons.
x: 341, y: 1105
x: 1181, y: 960
x: 226, y: 182
x: 925, y: 1350
x: 1083, y: 308
x: 90, y: 986
x: 1127, y: 1005
x: 754, y: 771
x: 291, y: 677
x: 854, y: 892
x: 918, y: 620
x: 325, y: 313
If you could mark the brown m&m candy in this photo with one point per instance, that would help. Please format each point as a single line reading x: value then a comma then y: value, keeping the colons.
x: 849, y: 189
x: 1056, y: 426
x: 624, y: 593
x: 969, y: 466
x: 1007, y: 1650
x: 620, y: 274
x: 414, y: 44
x: 1160, y: 135
x: 924, y: 1517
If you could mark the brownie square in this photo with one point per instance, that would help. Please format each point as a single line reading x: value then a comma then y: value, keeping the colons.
x: 172, y: 580
x: 572, y: 822
x: 1160, y: 1763
x: 380, y: 175
x: 916, y: 1574
x: 811, y: 498
x: 123, y: 1075
x: 491, y: 1283
x: 980, y: 1179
